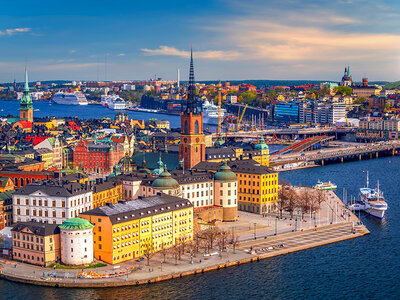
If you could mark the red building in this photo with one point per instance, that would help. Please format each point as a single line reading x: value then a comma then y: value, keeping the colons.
x: 192, y: 147
x: 22, y: 178
x: 97, y: 158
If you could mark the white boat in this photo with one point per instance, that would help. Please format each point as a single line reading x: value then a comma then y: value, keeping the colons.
x: 325, y: 186
x: 373, y: 199
x: 210, y: 113
x: 75, y: 98
x: 113, y: 102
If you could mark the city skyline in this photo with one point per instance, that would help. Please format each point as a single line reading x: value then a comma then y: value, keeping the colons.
x: 289, y: 40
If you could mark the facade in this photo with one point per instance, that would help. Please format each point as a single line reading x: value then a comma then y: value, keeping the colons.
x: 379, y: 129
x: 51, y: 201
x: 76, y: 237
x: 225, y: 190
x: 106, y: 191
x: 22, y: 178
x: 46, y: 156
x: 97, y: 157
x: 192, y: 148
x: 36, y: 243
x: 6, y: 184
x: 286, y: 112
x: 128, y: 229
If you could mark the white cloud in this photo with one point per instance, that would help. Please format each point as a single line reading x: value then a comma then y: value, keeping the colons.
x: 14, y: 30
x: 121, y: 54
x: 211, y: 54
x: 72, y: 51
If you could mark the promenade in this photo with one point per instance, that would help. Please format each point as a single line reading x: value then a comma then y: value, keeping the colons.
x: 254, y: 246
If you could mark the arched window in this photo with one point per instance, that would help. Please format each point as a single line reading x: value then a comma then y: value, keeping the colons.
x: 27, y: 180
x: 16, y: 181
x: 22, y: 181
x: 186, y: 127
x: 196, y: 127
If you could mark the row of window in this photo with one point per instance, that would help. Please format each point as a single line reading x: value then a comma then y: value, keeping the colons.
x: 28, y: 256
x: 197, y: 186
x: 53, y: 203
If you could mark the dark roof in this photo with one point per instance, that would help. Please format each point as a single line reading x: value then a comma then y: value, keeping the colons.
x: 125, y: 211
x: 6, y: 197
x: 54, y: 188
x: 104, y: 186
x: 238, y: 166
x: 191, y: 176
x: 41, y: 229
x: 74, y: 177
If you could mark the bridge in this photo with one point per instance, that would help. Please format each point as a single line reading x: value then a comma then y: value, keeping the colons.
x: 290, y: 133
x: 340, y: 154
x: 305, y: 145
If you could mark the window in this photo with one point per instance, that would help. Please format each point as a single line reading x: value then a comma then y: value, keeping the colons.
x: 99, y: 246
x: 99, y: 239
x: 186, y: 127
x: 99, y: 228
x: 196, y: 127
x: 72, y: 249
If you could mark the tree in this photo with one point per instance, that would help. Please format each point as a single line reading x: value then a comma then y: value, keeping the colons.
x: 148, y: 251
x: 360, y: 100
x: 234, y: 240
x: 343, y: 90
x: 248, y: 97
x: 222, y: 240
x: 292, y: 201
x: 211, y: 234
x: 387, y: 106
x: 175, y: 251
x: 283, y: 194
x: 164, y: 251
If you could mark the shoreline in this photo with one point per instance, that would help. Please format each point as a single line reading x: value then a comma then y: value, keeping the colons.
x: 243, y: 258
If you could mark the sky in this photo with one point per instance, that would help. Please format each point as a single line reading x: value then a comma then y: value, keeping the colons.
x: 231, y: 39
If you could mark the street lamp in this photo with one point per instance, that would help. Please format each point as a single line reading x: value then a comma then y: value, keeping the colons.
x: 255, y: 231
x: 276, y: 225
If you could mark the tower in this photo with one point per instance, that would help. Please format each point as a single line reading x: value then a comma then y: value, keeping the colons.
x: 26, y: 106
x: 192, y: 147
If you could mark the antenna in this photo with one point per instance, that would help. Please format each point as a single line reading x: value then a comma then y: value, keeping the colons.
x: 367, y: 179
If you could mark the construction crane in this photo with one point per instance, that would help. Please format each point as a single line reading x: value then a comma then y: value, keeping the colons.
x: 241, y: 117
x: 347, y: 120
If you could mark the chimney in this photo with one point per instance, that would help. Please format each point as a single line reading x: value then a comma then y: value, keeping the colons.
x: 122, y: 201
x: 158, y: 193
x: 109, y: 204
x: 140, y: 197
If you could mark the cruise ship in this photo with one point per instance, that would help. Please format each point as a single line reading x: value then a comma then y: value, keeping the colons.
x: 75, y: 98
x: 210, y: 113
x: 325, y: 186
x: 113, y: 102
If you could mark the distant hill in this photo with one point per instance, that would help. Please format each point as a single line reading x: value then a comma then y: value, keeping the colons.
x: 393, y: 85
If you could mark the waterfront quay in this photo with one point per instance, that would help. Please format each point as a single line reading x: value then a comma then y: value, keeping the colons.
x: 334, y: 224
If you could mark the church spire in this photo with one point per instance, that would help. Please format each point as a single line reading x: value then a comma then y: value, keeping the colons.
x: 26, y: 87
x: 191, y: 94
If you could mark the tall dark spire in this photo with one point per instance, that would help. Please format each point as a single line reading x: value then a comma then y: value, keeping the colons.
x: 191, y: 106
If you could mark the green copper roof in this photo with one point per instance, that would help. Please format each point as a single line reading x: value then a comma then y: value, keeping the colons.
x: 26, y: 101
x: 262, y: 145
x: 165, y: 181
x: 225, y: 174
x: 76, y: 224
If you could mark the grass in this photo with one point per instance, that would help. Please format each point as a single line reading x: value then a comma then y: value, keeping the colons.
x: 64, y: 267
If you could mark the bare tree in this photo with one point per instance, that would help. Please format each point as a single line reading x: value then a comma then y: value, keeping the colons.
x: 148, y: 251
x: 283, y: 193
x: 292, y: 201
x: 164, y: 251
x: 304, y: 201
x: 234, y: 240
x: 222, y: 240
x: 175, y: 251
x: 211, y: 234
x: 320, y: 196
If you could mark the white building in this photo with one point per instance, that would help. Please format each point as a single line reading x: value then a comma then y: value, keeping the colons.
x: 76, y: 237
x: 231, y: 99
x: 52, y: 201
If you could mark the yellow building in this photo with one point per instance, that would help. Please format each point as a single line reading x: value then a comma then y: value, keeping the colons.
x: 128, y: 229
x: 106, y: 191
x: 45, y: 155
x: 6, y: 184
x: 257, y: 184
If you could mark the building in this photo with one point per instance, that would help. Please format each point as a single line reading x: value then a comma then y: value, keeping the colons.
x: 22, y: 178
x: 366, y: 91
x: 286, y: 112
x: 378, y: 129
x: 225, y: 191
x: 233, y: 99
x: 347, y: 79
x: 97, y: 157
x: 46, y: 156
x: 6, y: 217
x: 336, y: 112
x: 192, y: 148
x: 52, y: 201
x: 26, y: 106
x: 36, y: 243
x: 76, y: 237
x: 6, y: 184
x: 128, y: 229
x: 257, y: 184
x: 106, y: 191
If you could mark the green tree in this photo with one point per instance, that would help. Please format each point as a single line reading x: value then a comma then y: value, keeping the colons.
x: 360, y: 100
x: 343, y: 90
x: 248, y: 97
x: 387, y: 106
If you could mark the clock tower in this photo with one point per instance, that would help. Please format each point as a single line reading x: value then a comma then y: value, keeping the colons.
x: 192, y: 147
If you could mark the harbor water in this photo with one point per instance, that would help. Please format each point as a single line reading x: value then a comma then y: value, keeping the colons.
x: 366, y: 267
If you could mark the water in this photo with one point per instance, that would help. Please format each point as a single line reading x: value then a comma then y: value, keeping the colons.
x: 82, y: 112
x: 366, y: 267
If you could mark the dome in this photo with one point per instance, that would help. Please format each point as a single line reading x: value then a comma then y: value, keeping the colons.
x: 76, y: 224
x: 262, y: 145
x: 127, y: 161
x: 225, y: 174
x: 165, y: 181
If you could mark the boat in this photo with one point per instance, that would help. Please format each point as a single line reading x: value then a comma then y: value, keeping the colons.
x: 113, y: 102
x: 325, y: 186
x: 210, y: 113
x: 75, y: 98
x: 373, y: 200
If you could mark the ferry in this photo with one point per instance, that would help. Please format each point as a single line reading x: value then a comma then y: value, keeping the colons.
x: 373, y: 200
x: 210, y: 113
x: 325, y: 186
x: 75, y: 98
x: 113, y: 102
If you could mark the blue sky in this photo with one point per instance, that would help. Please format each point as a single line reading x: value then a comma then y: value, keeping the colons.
x: 232, y: 39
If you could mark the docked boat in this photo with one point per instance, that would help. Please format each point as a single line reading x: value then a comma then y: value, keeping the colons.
x: 113, y: 102
x: 75, y: 98
x: 210, y: 113
x: 325, y: 186
x: 373, y: 200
